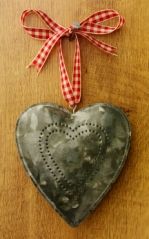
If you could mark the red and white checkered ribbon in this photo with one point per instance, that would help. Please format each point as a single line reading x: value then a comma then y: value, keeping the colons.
x: 54, y: 34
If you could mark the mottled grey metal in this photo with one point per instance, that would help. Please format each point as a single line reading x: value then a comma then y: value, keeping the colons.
x: 73, y: 158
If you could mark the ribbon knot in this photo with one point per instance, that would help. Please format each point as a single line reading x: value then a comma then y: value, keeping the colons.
x: 53, y: 35
x: 72, y: 29
x: 71, y: 33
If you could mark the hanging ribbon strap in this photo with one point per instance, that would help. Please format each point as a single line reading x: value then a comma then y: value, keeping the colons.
x: 54, y: 34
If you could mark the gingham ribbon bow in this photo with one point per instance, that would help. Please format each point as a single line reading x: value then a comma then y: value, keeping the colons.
x: 53, y: 35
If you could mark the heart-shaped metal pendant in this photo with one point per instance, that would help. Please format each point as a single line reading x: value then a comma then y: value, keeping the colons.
x: 73, y: 158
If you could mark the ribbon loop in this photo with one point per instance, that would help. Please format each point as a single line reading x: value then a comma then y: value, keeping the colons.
x: 55, y: 32
x: 92, y: 24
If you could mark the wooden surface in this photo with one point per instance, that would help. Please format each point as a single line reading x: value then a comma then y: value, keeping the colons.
x: 122, y: 80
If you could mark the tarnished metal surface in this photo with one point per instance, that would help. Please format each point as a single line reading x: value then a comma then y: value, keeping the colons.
x: 73, y: 158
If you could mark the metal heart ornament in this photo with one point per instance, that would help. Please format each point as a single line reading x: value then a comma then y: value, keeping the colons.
x: 73, y: 158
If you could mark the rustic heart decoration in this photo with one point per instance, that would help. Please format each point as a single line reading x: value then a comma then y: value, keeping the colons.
x: 73, y: 158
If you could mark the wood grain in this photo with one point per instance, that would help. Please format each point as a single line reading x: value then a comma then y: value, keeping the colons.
x: 122, y: 80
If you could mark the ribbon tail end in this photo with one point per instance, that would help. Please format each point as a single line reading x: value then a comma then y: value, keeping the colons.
x: 31, y: 65
x: 28, y: 66
x: 114, y: 54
